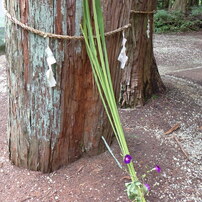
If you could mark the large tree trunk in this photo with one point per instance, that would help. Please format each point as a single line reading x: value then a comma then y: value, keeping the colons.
x: 184, y: 5
x: 141, y: 78
x: 51, y: 127
x: 193, y: 3
x: 163, y: 4
x: 181, y: 5
x: 166, y: 4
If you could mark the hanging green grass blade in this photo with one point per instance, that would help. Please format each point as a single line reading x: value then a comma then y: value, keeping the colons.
x: 93, y: 62
x: 97, y: 51
x: 107, y: 76
x: 101, y: 55
x: 92, y: 52
x: 106, y: 79
x: 92, y: 44
x: 101, y: 27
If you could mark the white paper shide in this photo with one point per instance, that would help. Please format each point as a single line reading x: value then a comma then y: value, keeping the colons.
x: 148, y: 28
x: 49, y: 74
x: 123, y: 58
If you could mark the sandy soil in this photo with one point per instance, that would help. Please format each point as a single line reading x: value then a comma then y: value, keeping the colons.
x: 99, y: 178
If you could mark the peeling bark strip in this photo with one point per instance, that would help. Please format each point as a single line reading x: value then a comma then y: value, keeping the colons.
x: 51, y: 127
x: 141, y: 78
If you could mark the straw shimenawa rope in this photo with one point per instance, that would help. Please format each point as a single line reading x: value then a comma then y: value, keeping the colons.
x: 67, y: 37
x: 143, y: 12
x: 57, y: 36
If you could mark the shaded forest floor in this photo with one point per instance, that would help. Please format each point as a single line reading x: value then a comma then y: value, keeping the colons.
x: 99, y: 178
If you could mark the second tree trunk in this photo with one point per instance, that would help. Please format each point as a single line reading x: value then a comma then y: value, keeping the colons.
x: 141, y: 78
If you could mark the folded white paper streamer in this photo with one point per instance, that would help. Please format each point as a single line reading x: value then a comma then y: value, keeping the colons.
x: 123, y: 58
x: 148, y: 29
x: 50, y: 57
x: 50, y: 78
x: 49, y: 74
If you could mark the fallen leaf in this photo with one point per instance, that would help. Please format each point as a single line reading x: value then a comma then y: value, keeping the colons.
x: 126, y: 178
x: 36, y: 194
x: 174, y: 128
x: 97, y: 170
x: 82, y: 184
x: 80, y: 169
x: 200, y: 128
x: 129, y: 129
x: 178, y: 142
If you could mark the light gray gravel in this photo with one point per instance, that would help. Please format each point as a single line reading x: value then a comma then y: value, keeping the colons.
x: 177, y: 53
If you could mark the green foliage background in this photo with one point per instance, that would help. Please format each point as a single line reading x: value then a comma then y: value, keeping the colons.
x: 2, y: 37
x: 175, y: 21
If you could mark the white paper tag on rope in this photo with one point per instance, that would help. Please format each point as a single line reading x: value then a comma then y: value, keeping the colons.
x: 49, y: 74
x: 123, y: 58
x: 148, y: 29
x: 50, y: 78
x: 50, y: 57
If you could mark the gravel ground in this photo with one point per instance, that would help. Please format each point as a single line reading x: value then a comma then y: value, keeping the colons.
x: 184, y: 183
x: 178, y: 52
x: 179, y: 58
x: 3, y: 83
x: 98, y: 178
x: 179, y: 153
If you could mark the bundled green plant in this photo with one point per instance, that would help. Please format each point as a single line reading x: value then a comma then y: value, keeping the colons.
x: 97, y: 52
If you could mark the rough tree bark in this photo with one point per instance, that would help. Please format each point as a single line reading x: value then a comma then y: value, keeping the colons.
x: 141, y: 78
x: 193, y: 3
x: 163, y: 4
x: 166, y: 4
x: 184, y: 5
x: 181, y: 5
x: 51, y: 127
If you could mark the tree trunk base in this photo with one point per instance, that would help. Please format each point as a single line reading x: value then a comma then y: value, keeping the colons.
x: 52, y: 127
x: 141, y: 78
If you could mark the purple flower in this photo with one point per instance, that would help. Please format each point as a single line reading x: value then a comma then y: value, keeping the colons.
x: 127, y: 159
x: 158, y: 168
x: 148, y: 188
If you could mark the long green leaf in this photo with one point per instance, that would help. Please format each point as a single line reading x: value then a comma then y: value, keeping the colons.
x: 97, y: 52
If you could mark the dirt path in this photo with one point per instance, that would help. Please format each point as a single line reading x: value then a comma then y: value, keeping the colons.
x: 99, y: 178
